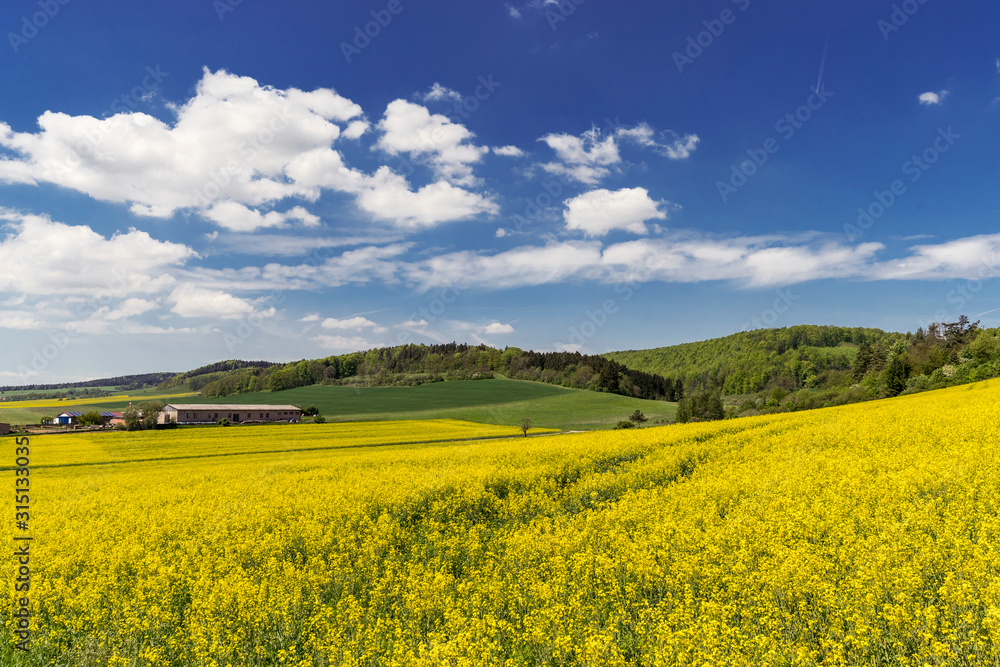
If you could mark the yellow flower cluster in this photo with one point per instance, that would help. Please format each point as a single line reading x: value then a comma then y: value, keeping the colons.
x: 862, y: 535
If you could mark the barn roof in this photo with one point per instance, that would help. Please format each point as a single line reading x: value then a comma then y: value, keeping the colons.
x: 230, y: 407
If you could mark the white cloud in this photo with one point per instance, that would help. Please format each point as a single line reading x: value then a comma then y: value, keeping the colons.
x: 518, y: 267
x: 231, y: 141
x: 356, y: 323
x: 974, y: 257
x: 931, y: 98
x: 355, y: 129
x: 509, y: 151
x: 237, y: 149
x: 585, y: 158
x: 682, y: 147
x: 40, y: 256
x: 130, y: 308
x: 600, y: 211
x: 675, y: 148
x: 589, y: 157
x: 513, y: 11
x: 497, y: 328
x: 439, y: 93
x: 412, y: 129
x: 388, y: 196
x: 238, y: 218
x: 192, y: 301
x: 311, y: 317
x: 750, y: 261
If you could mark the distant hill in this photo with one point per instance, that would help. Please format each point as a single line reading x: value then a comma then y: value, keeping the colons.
x: 751, y: 361
x: 411, y: 365
x: 122, y: 382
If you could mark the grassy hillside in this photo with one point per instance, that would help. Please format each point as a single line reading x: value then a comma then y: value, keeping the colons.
x: 751, y: 361
x: 497, y: 401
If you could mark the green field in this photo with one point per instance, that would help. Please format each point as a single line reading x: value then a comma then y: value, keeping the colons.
x: 499, y: 401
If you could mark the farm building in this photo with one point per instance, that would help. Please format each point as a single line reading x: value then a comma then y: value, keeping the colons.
x: 67, y: 418
x: 206, y: 413
x: 71, y: 418
x: 4, y: 429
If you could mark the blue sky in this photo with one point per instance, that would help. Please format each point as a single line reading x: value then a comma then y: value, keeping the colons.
x: 209, y: 179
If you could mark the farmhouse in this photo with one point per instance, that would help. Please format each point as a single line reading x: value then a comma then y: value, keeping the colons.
x: 4, y: 429
x: 207, y: 413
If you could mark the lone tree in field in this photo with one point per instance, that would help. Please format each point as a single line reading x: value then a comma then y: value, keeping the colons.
x: 525, y: 425
x: 638, y: 418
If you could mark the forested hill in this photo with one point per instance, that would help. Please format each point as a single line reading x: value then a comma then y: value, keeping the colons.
x: 747, y: 362
x: 417, y: 364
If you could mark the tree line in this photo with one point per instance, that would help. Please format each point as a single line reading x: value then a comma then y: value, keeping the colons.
x: 417, y: 364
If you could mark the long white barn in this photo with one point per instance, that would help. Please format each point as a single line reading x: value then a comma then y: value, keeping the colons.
x: 209, y: 413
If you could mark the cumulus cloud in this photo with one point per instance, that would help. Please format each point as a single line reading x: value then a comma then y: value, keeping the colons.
x: 356, y: 323
x: 497, y: 328
x: 238, y: 218
x: 412, y: 129
x: 387, y: 195
x: 232, y: 140
x: 193, y: 301
x: 931, y: 98
x: 509, y: 151
x: 237, y: 148
x: 589, y: 157
x: 41, y: 256
x: 585, y: 158
x: 600, y: 211
x: 439, y: 93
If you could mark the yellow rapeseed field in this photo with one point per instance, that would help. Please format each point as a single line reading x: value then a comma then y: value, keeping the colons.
x: 862, y: 535
x: 79, y: 402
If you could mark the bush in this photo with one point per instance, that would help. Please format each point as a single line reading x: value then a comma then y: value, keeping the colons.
x: 319, y: 419
x: 624, y: 425
x: 223, y: 422
x: 311, y: 411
